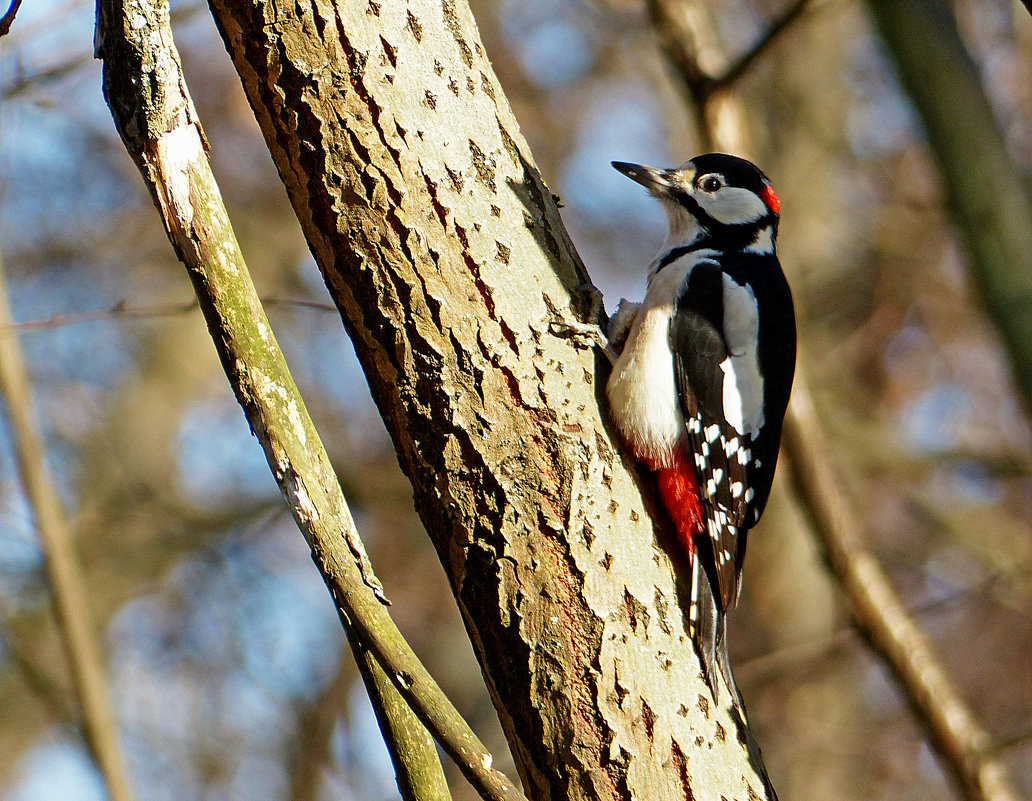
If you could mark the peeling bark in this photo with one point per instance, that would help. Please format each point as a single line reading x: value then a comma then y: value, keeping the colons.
x: 445, y: 253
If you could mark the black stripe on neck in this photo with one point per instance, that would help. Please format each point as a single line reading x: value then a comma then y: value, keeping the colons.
x: 674, y: 254
x: 724, y: 238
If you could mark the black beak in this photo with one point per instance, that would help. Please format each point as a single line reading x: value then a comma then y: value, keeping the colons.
x: 656, y: 181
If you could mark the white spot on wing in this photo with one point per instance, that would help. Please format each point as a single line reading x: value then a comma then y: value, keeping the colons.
x: 743, y: 384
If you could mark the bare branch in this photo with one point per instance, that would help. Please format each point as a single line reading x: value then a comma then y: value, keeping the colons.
x: 677, y: 29
x: 116, y: 312
x: 983, y: 186
x: 66, y: 582
x: 745, y: 61
x: 772, y: 663
x: 419, y: 772
x: 146, y: 91
x: 25, y: 82
x: 881, y: 616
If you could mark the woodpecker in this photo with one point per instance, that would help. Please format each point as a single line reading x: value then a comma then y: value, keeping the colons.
x: 704, y: 370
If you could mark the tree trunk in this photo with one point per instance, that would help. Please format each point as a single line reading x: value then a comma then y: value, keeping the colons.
x: 445, y: 253
x: 987, y: 193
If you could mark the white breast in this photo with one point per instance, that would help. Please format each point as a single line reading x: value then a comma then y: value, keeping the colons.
x: 642, y: 390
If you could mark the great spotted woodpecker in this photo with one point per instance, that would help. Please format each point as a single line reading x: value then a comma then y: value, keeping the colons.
x: 705, y: 366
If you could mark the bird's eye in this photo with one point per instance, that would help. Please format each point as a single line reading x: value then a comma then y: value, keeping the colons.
x: 711, y: 184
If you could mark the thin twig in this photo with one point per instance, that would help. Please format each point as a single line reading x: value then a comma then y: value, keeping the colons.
x: 67, y: 587
x: 764, y: 666
x: 120, y: 311
x: 7, y: 20
x: 146, y: 91
x: 745, y: 61
x: 674, y: 28
x: 24, y: 82
x: 117, y: 312
x: 1012, y: 741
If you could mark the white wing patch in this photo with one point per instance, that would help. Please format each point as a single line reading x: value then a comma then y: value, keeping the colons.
x: 743, y: 384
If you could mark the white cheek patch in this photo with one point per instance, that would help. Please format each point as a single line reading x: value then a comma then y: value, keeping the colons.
x: 732, y: 205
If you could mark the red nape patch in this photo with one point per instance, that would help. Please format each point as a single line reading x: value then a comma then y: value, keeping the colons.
x: 680, y: 494
x: 770, y: 197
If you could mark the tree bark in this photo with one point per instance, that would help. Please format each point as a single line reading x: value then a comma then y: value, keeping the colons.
x: 445, y: 253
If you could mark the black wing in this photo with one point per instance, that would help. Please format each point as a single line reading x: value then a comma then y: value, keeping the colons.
x: 722, y: 455
x: 777, y: 356
x: 734, y: 470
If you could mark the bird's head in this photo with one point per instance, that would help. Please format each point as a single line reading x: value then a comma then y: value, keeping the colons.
x: 714, y: 200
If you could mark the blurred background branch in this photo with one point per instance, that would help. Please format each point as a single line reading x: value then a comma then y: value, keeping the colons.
x: 67, y: 587
x: 962, y: 740
x: 989, y: 198
x: 122, y: 310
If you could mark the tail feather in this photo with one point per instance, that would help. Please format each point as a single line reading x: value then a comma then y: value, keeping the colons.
x: 704, y: 620
x: 707, y: 624
x: 708, y: 630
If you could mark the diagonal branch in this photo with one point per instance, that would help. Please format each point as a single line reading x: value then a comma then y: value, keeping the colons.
x: 63, y: 573
x: 677, y: 24
x: 742, y: 64
x: 881, y: 615
x: 983, y: 186
x: 419, y: 772
x: 146, y: 91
